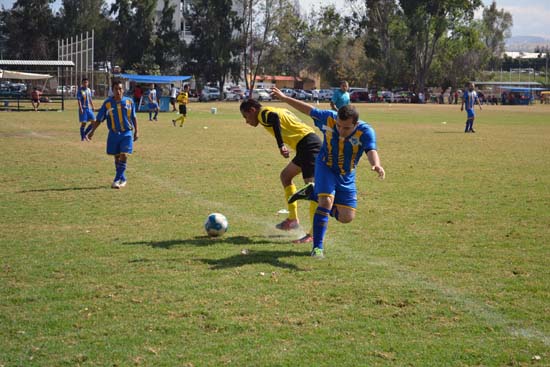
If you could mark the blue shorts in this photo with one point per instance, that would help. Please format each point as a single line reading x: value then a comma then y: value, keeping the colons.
x: 120, y: 142
x: 343, y: 188
x: 470, y: 112
x: 86, y: 115
x: 153, y: 105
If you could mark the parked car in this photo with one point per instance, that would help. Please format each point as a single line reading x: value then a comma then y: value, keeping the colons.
x: 233, y: 94
x: 288, y: 92
x: 303, y: 95
x: 209, y: 94
x: 326, y: 94
x: 359, y: 95
x: 261, y: 95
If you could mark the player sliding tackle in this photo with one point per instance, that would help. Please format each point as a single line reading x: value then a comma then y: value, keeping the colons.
x: 346, y: 138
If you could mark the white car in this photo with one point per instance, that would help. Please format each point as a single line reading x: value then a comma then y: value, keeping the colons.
x: 261, y: 95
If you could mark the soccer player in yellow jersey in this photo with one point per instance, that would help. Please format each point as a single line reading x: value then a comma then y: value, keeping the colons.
x: 289, y: 131
x: 183, y: 99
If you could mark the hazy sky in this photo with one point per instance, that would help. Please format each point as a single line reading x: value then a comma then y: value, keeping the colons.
x: 531, y: 17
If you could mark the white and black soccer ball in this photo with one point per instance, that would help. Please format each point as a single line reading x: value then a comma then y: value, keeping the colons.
x: 216, y: 225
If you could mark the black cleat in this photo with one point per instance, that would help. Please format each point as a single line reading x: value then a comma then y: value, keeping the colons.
x: 303, y: 194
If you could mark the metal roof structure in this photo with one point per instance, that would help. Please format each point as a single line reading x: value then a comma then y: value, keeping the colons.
x: 516, y: 84
x: 37, y: 63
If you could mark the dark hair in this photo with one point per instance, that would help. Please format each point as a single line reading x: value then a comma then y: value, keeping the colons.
x: 348, y: 111
x: 115, y: 82
x: 249, y: 104
x: 84, y: 79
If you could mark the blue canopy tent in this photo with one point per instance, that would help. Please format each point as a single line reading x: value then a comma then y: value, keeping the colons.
x: 164, y: 102
x: 520, y: 95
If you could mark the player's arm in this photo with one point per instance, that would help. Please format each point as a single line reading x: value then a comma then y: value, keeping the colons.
x: 374, y: 161
x: 297, y: 104
x: 99, y: 119
x: 274, y: 121
x: 478, y: 102
x: 134, y: 122
x: 462, y: 104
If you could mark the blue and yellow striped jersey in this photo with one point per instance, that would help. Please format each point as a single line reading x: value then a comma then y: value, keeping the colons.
x: 469, y: 99
x: 120, y: 116
x: 342, y: 154
x: 84, y: 96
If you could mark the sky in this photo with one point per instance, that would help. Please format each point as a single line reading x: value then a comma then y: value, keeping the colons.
x: 531, y: 17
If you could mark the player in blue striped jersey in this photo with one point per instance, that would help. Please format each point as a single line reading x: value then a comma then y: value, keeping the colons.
x: 469, y: 100
x: 345, y: 140
x: 120, y: 113
x: 85, y: 108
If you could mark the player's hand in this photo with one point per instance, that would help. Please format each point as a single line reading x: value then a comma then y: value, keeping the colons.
x: 136, y: 137
x: 380, y: 171
x: 284, y: 151
x: 275, y: 92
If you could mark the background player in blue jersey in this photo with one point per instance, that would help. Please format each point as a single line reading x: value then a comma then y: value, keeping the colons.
x: 345, y: 140
x: 120, y: 113
x: 85, y: 108
x: 340, y: 97
x: 469, y: 99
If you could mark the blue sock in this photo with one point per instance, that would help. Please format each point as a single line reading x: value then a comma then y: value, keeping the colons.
x: 120, y: 169
x: 156, y: 114
x: 88, y: 129
x: 320, y: 224
x: 150, y: 115
x: 82, y: 133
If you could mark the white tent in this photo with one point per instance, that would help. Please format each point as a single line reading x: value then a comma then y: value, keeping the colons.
x: 6, y: 74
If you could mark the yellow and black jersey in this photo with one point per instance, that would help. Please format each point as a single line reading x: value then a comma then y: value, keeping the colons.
x: 285, y: 126
x: 183, y: 97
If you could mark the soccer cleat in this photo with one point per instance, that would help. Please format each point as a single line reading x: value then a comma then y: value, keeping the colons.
x: 288, y: 224
x: 303, y: 194
x: 122, y: 183
x: 115, y: 185
x: 174, y: 123
x: 317, y: 253
x: 306, y: 239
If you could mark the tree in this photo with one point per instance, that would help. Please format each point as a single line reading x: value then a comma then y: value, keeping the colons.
x: 166, y: 43
x: 30, y: 23
x: 428, y: 21
x: 214, y: 48
x: 495, y: 27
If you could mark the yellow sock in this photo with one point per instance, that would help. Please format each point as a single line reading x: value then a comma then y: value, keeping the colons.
x: 292, y: 208
x: 182, y: 120
x: 312, y: 208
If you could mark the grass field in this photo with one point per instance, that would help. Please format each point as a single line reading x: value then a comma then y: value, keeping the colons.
x: 446, y: 264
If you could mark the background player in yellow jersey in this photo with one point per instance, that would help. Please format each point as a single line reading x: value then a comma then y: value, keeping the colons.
x: 183, y: 99
x: 289, y: 131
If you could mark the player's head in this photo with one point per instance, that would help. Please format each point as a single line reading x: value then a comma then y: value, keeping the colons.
x: 186, y: 87
x: 85, y: 82
x: 118, y: 89
x: 471, y: 86
x: 172, y: 85
x: 249, y: 110
x: 347, y: 120
x: 344, y: 86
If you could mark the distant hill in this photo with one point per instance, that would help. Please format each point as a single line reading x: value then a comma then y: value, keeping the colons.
x: 526, y: 43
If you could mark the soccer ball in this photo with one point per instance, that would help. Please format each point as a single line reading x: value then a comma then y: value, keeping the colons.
x: 216, y: 225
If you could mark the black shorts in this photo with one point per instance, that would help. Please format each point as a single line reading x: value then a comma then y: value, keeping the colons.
x: 172, y: 100
x: 306, y: 153
x: 183, y: 109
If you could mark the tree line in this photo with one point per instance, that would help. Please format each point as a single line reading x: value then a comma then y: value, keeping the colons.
x: 386, y: 44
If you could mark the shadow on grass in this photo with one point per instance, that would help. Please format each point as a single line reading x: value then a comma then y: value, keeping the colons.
x: 205, y: 241
x: 256, y: 257
x: 65, y: 189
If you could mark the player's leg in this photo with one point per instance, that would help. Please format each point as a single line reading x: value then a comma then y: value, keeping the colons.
x: 286, y: 176
x: 472, y: 124
x: 325, y: 188
x: 156, y: 112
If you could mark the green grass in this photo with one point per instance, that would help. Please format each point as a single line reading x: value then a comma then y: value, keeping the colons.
x: 446, y: 263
